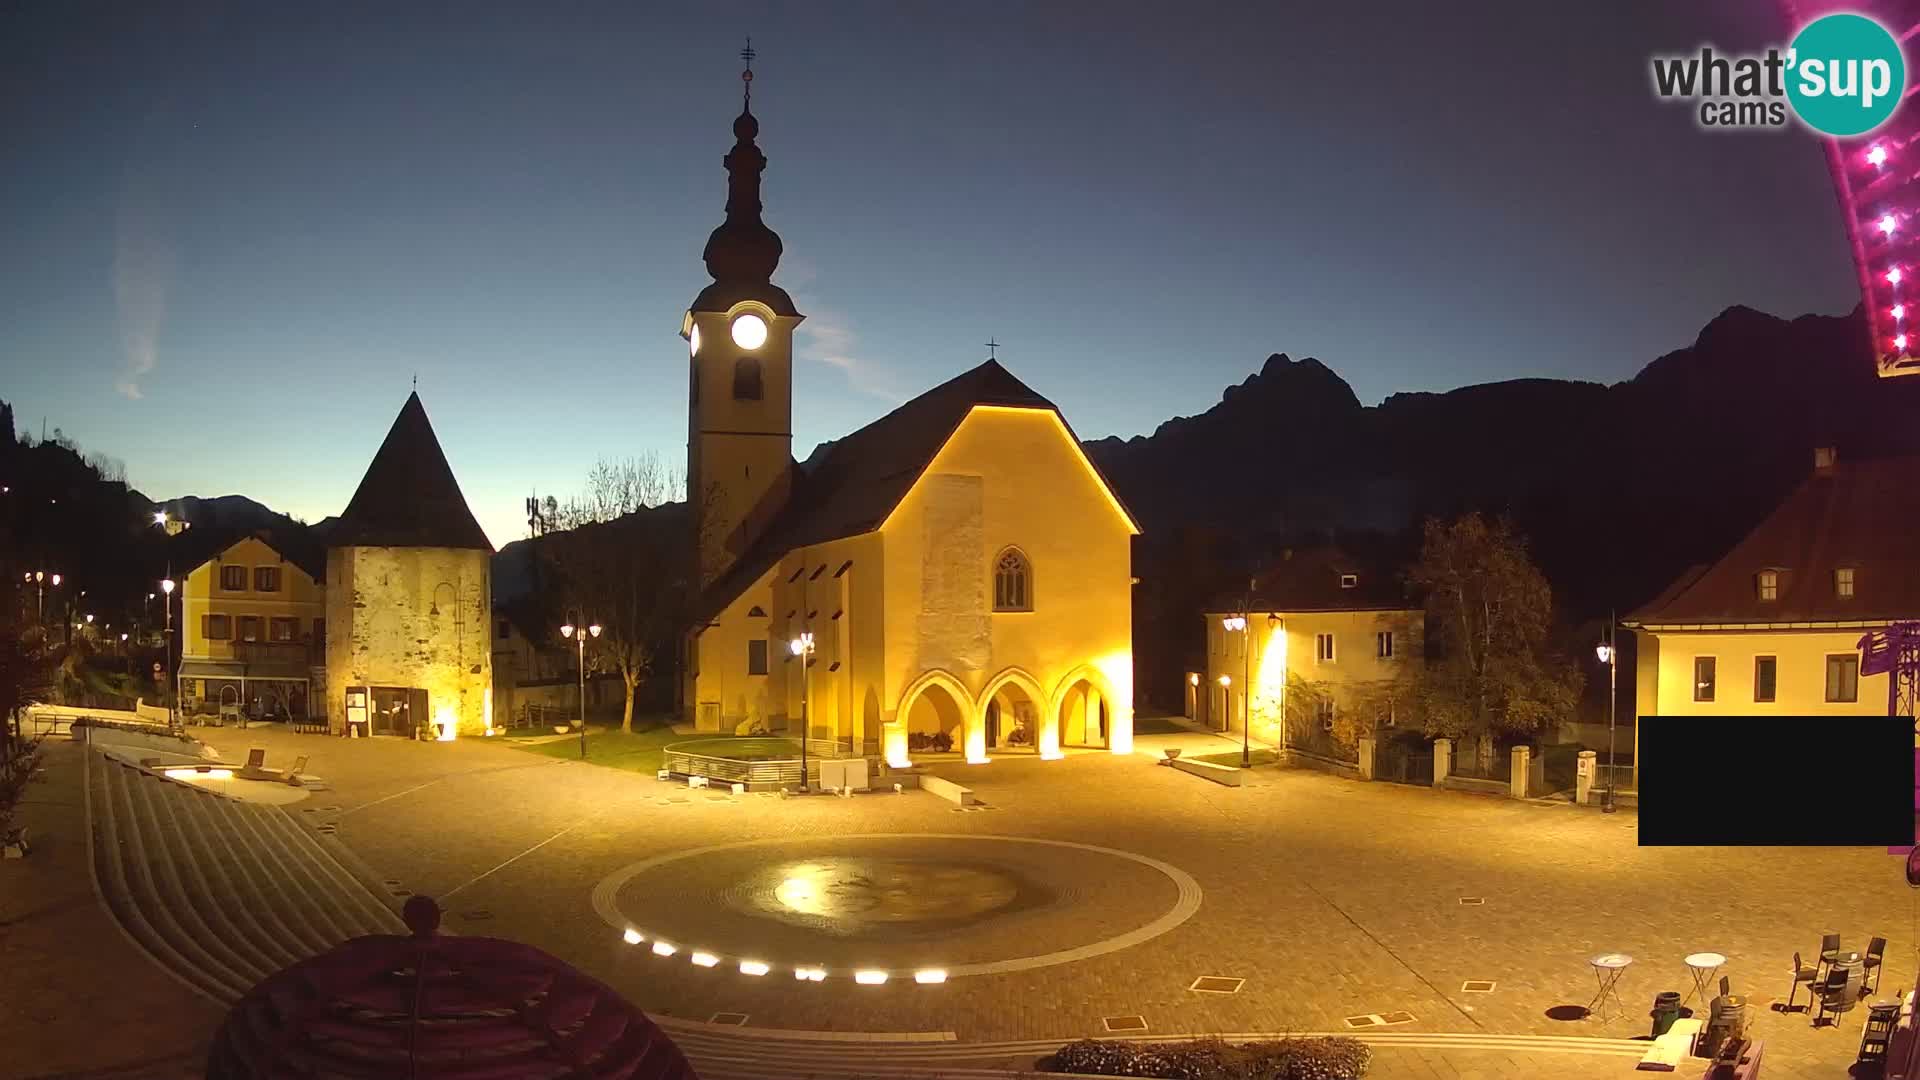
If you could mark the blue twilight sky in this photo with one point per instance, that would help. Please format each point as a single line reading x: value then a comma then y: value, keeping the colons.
x: 230, y: 235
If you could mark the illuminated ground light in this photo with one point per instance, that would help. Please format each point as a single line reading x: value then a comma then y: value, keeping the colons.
x: 807, y: 974
x: 661, y: 948
x: 1893, y: 276
x: 199, y: 774
x: 931, y: 975
x: 1887, y: 224
x: 704, y: 959
x: 870, y: 978
x: 1899, y: 311
x: 632, y: 936
x: 753, y: 967
x: 1877, y: 156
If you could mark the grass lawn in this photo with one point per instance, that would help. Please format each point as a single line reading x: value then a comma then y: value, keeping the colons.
x: 638, y: 752
x: 644, y: 750
x: 1232, y: 757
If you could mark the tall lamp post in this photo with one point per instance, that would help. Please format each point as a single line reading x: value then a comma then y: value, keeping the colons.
x: 579, y: 634
x: 1232, y: 624
x: 173, y: 699
x: 802, y: 647
x: 1609, y: 656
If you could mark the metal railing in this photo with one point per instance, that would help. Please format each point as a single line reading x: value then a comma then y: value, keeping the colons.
x: 775, y: 771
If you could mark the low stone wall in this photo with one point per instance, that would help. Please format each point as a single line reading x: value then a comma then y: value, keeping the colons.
x: 1456, y: 782
x: 1206, y: 770
x: 1306, y: 759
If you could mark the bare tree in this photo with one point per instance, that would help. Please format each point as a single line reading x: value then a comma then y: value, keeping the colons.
x: 620, y: 560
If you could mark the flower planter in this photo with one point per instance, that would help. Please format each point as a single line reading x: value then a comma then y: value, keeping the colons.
x: 16, y: 845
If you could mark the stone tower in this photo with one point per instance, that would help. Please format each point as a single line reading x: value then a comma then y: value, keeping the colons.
x: 409, y: 595
x: 739, y: 333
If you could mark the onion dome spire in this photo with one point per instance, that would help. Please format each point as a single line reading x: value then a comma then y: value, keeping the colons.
x: 743, y: 251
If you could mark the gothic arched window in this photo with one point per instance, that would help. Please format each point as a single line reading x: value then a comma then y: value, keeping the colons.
x: 746, y: 379
x: 1012, y: 582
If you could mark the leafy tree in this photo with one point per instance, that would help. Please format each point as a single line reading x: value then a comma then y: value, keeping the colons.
x: 1490, y: 613
x: 617, y: 555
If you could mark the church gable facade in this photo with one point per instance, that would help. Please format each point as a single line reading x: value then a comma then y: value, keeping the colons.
x: 954, y: 578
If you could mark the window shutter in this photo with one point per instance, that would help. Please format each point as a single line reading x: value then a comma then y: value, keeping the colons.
x: 206, y: 626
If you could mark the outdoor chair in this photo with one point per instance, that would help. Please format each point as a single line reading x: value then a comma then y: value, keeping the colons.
x: 299, y: 766
x: 1726, y: 985
x: 1870, y: 963
x: 1833, y: 995
x: 1829, y: 951
x: 1803, y: 973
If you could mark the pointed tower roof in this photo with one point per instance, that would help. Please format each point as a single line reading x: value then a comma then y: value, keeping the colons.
x: 742, y: 253
x: 409, y: 498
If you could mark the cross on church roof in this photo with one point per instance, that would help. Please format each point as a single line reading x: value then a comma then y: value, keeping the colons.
x: 746, y: 77
x: 991, y: 346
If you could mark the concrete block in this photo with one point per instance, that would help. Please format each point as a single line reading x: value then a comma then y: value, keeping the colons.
x: 1442, y: 761
x: 1521, y: 772
x: 1225, y: 775
x: 1365, y: 763
x: 948, y: 790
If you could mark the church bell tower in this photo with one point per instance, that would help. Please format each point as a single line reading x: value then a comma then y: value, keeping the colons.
x: 739, y: 334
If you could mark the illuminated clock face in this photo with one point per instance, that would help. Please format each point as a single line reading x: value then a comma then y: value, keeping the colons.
x: 749, y: 331
x: 693, y: 342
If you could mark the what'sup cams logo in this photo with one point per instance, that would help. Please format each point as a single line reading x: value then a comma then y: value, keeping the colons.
x: 1843, y: 75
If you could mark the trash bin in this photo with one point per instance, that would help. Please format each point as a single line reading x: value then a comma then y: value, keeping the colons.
x: 1666, y: 1010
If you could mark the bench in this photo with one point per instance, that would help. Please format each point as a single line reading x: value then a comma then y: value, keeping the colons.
x: 1676, y: 1046
x: 1207, y: 770
x: 948, y: 790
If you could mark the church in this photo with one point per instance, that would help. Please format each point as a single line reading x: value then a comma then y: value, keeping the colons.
x: 953, y: 578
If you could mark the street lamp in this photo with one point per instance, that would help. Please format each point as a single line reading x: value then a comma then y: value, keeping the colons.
x: 579, y: 634
x: 1238, y: 624
x: 802, y: 647
x: 166, y: 587
x: 1609, y: 656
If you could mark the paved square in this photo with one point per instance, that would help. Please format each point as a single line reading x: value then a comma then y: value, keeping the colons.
x: 1334, y: 898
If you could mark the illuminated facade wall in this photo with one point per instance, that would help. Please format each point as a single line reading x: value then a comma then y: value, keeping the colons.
x: 296, y: 597
x: 917, y: 645
x: 412, y: 617
x: 1285, y: 645
x: 1665, y: 675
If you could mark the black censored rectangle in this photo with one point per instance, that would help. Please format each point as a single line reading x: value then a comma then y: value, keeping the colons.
x: 1797, y: 781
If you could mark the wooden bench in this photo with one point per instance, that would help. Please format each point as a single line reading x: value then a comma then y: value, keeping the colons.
x: 948, y: 790
x: 1207, y: 770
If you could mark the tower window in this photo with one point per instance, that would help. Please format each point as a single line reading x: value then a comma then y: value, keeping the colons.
x: 1768, y: 584
x: 693, y: 380
x: 1012, y: 582
x: 746, y: 379
x: 1843, y: 583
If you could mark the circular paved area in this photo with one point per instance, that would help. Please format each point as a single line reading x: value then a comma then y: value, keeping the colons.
x: 1331, y: 898
x: 956, y: 903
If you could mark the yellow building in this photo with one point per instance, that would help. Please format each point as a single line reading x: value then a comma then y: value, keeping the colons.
x: 1318, y: 638
x: 961, y: 569
x: 1773, y: 627
x: 252, y: 623
x: 409, y: 597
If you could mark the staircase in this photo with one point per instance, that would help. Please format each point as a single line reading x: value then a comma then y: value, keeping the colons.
x: 219, y: 893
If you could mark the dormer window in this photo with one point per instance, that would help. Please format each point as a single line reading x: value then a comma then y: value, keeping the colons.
x: 1767, y: 585
x: 1843, y: 583
x: 1348, y: 581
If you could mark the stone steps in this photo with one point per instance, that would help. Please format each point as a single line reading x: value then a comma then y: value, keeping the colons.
x: 218, y: 892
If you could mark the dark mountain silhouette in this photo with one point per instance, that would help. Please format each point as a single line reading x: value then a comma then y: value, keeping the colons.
x: 1619, y: 488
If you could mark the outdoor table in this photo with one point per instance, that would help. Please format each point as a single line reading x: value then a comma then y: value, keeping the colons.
x: 1704, y: 966
x: 1606, y: 971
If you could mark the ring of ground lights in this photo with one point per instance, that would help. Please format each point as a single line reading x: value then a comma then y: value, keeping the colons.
x: 605, y: 902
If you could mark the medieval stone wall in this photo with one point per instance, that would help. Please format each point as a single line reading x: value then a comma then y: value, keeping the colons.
x: 412, y: 617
